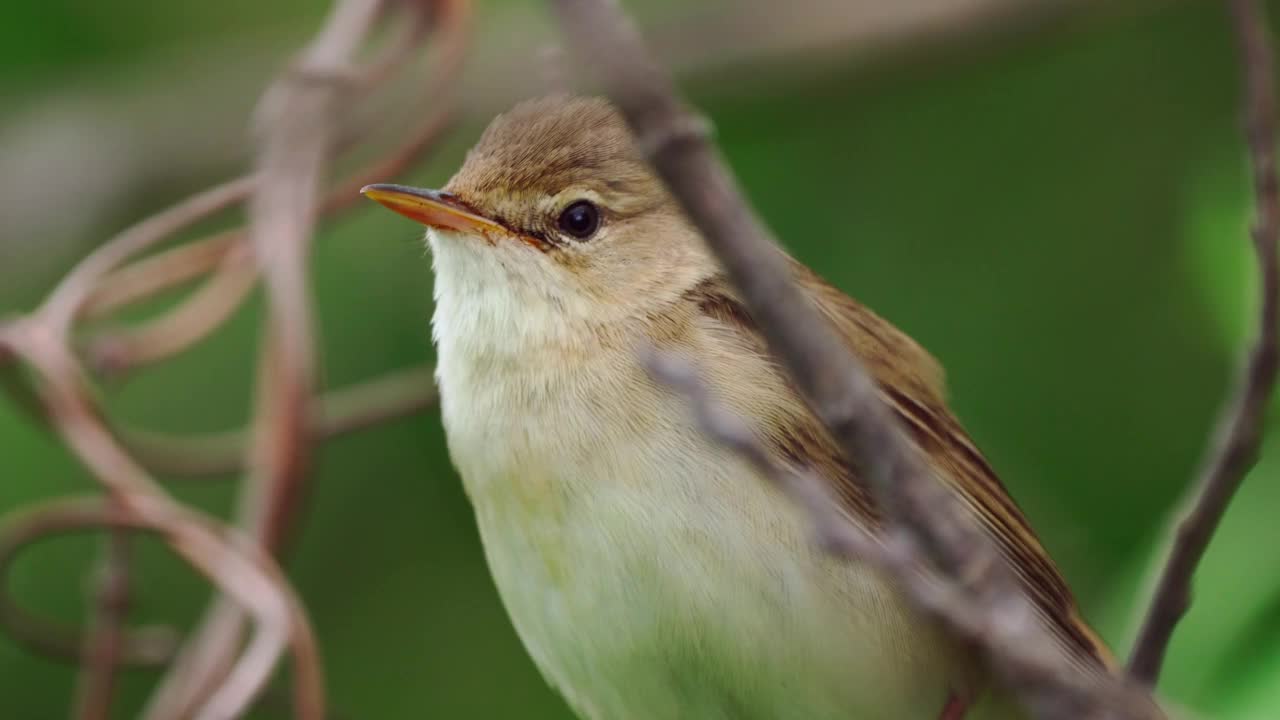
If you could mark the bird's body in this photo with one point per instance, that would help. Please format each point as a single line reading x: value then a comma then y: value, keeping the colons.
x: 650, y: 573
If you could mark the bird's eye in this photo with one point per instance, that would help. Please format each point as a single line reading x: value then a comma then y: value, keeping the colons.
x: 580, y: 220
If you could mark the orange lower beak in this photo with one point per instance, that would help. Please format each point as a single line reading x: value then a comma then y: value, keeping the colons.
x: 432, y: 208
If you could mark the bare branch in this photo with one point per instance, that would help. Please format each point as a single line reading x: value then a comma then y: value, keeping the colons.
x: 300, y: 135
x: 832, y: 529
x: 199, y: 544
x: 303, y: 117
x: 236, y: 566
x: 192, y: 320
x: 180, y: 327
x: 64, y: 303
x: 298, y: 120
x: 147, y: 646
x: 107, y: 634
x: 159, y: 272
x: 1239, y: 433
x: 833, y: 381
x: 387, y: 397
x: 1003, y: 630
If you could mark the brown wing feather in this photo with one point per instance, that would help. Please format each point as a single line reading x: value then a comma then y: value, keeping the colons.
x: 911, y: 383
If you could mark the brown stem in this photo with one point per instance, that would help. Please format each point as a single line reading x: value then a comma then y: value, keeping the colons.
x: 297, y: 117
x: 64, y: 303
x: 159, y: 272
x: 148, y: 646
x: 194, y: 319
x: 301, y: 118
x: 236, y: 565
x: 107, y: 634
x: 998, y: 628
x: 1238, y: 436
x: 180, y: 327
x: 396, y: 394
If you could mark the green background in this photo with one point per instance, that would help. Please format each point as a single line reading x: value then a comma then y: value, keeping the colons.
x: 1058, y: 214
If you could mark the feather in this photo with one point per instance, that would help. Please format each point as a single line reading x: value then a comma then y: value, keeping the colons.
x: 911, y: 384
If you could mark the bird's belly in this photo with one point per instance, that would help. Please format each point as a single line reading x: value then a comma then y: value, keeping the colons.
x: 662, y: 580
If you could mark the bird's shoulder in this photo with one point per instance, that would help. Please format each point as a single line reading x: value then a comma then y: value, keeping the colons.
x: 911, y: 383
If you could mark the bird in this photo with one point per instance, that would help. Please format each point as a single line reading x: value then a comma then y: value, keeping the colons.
x: 648, y: 571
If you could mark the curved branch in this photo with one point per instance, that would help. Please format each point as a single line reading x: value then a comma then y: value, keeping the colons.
x: 181, y: 326
x: 161, y: 271
x: 235, y: 564
x: 296, y: 116
x: 64, y: 303
x: 1239, y: 433
x: 109, y: 610
x: 396, y: 394
x: 192, y: 320
x: 148, y: 646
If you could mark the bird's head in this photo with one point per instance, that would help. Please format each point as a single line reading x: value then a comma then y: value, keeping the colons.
x: 554, y: 221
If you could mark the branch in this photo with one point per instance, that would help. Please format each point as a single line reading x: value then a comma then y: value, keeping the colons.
x: 393, y: 395
x: 830, y: 378
x: 204, y: 311
x: 107, y: 635
x: 147, y: 646
x: 1239, y: 432
x: 181, y: 326
x: 159, y: 272
x: 302, y: 114
x: 300, y: 134
x: 298, y: 118
x: 1003, y: 630
x: 67, y: 299
x: 237, y: 567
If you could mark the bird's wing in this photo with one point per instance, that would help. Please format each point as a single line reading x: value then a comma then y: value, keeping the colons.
x: 911, y: 384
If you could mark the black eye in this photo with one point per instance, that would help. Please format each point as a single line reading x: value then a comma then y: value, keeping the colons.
x: 581, y: 219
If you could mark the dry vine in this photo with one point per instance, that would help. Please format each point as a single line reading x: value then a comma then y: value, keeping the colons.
x: 1238, y: 437
x: 305, y: 120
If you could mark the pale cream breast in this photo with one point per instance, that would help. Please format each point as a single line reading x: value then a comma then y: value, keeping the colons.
x: 649, y: 573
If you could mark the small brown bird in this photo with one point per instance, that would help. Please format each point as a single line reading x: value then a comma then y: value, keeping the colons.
x: 649, y: 572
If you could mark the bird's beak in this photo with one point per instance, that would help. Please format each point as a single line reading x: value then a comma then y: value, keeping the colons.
x: 433, y: 208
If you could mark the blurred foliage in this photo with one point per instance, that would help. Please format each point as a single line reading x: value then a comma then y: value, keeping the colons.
x: 1059, y: 216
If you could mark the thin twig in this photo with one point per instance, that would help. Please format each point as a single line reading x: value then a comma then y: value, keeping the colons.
x: 180, y: 327
x: 64, y: 303
x: 251, y: 580
x: 832, y: 379
x: 172, y: 267
x: 297, y: 117
x: 1007, y: 631
x: 161, y: 271
x: 147, y: 646
x: 1238, y: 436
x: 302, y: 118
x: 396, y: 394
x: 195, y: 318
x: 110, y: 610
x: 393, y: 395
x: 236, y: 566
